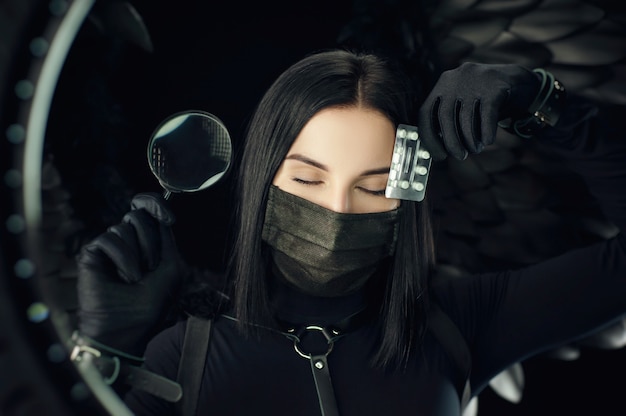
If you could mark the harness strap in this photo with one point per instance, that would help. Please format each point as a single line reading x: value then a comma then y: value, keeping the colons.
x: 196, y: 343
x: 191, y: 366
x: 324, y: 385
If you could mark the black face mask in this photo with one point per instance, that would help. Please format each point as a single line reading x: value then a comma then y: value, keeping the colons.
x: 322, y: 252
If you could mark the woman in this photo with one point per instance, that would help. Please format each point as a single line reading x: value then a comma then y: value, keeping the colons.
x: 331, y: 306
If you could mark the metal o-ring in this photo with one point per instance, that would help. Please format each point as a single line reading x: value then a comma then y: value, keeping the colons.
x: 296, y: 342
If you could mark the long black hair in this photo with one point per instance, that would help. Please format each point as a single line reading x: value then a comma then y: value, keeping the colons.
x: 336, y: 78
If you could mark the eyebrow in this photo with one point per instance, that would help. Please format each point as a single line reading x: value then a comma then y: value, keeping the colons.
x: 314, y: 163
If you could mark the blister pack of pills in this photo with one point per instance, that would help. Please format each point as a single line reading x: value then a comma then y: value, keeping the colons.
x: 410, y: 166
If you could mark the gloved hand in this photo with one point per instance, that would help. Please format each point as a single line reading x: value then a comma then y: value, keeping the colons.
x: 129, y: 277
x: 461, y: 113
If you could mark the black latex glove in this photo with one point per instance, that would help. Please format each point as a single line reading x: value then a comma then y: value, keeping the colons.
x: 461, y: 113
x: 129, y: 277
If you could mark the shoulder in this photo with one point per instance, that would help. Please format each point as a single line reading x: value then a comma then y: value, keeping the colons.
x: 165, y: 348
x: 204, y: 294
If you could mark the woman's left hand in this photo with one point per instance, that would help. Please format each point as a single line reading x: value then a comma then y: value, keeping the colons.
x: 461, y: 113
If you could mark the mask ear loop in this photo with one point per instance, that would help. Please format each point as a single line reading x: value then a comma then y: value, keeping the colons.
x: 410, y: 166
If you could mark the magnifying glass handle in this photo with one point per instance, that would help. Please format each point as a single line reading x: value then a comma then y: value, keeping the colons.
x: 166, y: 194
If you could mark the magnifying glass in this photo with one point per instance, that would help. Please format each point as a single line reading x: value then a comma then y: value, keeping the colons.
x: 189, y: 151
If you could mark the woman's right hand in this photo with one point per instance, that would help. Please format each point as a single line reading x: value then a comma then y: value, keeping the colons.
x: 129, y: 277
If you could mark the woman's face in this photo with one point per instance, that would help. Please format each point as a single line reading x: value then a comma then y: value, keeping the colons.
x: 340, y: 160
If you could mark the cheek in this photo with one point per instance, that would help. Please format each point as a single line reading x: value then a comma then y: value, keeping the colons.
x: 394, y: 203
x: 279, y: 176
x: 368, y: 204
x: 281, y: 179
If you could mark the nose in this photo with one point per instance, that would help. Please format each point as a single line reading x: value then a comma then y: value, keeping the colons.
x: 340, y: 201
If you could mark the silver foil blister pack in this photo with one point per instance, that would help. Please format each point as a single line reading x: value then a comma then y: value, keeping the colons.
x: 410, y: 166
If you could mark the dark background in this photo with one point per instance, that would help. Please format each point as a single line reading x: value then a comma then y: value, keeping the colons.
x: 117, y: 85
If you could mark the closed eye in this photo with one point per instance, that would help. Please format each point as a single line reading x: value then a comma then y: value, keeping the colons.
x: 305, y: 182
x: 380, y: 192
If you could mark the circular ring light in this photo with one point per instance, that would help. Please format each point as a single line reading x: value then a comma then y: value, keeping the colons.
x: 33, y: 351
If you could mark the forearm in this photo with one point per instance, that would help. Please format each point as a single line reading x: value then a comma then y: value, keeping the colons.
x: 588, y: 138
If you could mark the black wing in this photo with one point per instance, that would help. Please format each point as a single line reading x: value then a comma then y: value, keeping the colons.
x: 514, y: 203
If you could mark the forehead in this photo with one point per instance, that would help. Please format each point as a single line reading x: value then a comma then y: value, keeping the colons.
x: 353, y: 132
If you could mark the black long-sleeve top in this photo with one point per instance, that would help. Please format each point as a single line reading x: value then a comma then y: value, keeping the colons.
x: 504, y: 317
